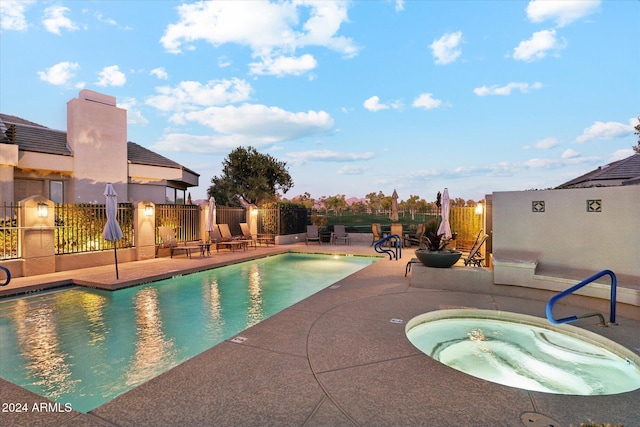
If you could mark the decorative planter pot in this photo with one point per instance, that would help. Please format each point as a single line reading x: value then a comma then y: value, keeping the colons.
x: 442, y: 259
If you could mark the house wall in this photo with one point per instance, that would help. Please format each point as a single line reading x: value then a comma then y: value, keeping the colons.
x: 566, y: 234
x: 97, y: 135
x: 8, y: 160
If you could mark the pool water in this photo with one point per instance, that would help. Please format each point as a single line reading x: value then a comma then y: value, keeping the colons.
x: 519, y: 353
x: 84, y: 346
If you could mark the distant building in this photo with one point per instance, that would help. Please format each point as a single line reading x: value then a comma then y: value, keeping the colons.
x: 74, y: 166
x: 621, y: 172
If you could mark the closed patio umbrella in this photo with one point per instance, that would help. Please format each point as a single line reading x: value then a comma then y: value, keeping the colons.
x: 112, y: 231
x: 211, y: 216
x: 445, y: 227
x: 394, y: 206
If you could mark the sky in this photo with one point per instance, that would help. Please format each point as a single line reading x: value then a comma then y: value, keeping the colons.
x: 356, y: 97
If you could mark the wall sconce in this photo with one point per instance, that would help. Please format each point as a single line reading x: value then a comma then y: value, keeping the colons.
x: 148, y: 211
x: 479, y: 209
x: 43, y: 210
x: 254, y: 210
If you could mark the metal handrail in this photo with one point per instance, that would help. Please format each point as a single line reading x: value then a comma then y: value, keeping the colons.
x: 8, y: 273
x: 397, y: 246
x: 612, y: 310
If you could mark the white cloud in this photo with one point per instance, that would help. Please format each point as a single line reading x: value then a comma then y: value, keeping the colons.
x: 284, y: 65
x: 191, y: 95
x: 538, y: 46
x: 399, y: 5
x: 273, y: 30
x: 506, y: 89
x: 160, y: 73
x: 12, y: 14
x: 545, y: 143
x: 373, y: 104
x: 621, y: 154
x: 60, y: 73
x: 327, y: 156
x: 563, y: 12
x: 426, y: 101
x: 351, y: 170
x: 606, y: 131
x: 445, y: 49
x: 55, y: 20
x: 570, y: 154
x: 248, y: 124
x: 134, y: 115
x: 111, y: 76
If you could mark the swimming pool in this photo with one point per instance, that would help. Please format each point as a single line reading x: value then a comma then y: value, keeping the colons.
x: 525, y: 352
x: 84, y: 346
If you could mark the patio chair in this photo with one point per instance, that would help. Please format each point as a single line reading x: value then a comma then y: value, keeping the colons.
x: 170, y: 241
x: 219, y: 240
x: 312, y: 234
x: 340, y: 234
x: 246, y: 235
x: 419, y: 236
x: 397, y: 229
x: 475, y: 257
x: 377, y: 232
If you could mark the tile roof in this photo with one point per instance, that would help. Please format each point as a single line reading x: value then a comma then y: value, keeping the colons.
x: 625, y: 169
x: 34, y: 137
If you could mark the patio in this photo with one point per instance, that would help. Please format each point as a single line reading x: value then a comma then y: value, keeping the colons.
x: 334, y: 359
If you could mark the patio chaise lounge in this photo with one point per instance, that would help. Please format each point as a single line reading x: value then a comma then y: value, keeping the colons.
x: 475, y: 257
x: 219, y: 240
x: 170, y: 241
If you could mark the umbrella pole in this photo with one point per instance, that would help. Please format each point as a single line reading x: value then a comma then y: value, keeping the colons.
x: 115, y: 255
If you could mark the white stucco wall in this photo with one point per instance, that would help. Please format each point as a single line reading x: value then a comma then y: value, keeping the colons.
x: 566, y: 234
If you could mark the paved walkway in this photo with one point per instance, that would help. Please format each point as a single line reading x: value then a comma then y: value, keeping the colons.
x: 333, y: 359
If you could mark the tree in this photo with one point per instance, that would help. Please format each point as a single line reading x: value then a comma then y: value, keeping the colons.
x: 337, y: 203
x: 412, y: 204
x: 375, y: 201
x: 255, y: 176
x: 636, y: 148
x: 304, y: 199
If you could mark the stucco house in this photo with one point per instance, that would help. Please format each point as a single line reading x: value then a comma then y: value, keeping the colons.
x: 73, y: 166
x: 621, y: 172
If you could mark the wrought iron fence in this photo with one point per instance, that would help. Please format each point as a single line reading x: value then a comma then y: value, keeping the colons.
x: 183, y: 219
x: 78, y: 228
x: 282, y: 220
x: 232, y: 217
x: 9, y: 231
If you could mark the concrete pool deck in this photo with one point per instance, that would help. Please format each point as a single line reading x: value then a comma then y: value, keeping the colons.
x: 339, y: 357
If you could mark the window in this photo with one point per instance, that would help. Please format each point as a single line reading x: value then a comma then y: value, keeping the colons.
x: 179, y: 197
x: 56, y: 191
x: 174, y: 196
x: 170, y: 195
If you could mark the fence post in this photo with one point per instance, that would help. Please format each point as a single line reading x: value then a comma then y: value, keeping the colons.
x: 37, y: 235
x: 144, y: 229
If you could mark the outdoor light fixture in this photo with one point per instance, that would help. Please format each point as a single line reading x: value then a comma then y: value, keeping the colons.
x: 43, y: 210
x: 479, y: 209
x: 148, y: 211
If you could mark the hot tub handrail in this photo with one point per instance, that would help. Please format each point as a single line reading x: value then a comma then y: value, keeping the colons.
x: 556, y: 298
x: 8, y: 274
x: 397, y: 243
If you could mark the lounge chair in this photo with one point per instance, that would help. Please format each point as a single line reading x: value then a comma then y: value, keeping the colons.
x: 340, y: 234
x: 312, y: 234
x: 170, y: 241
x: 219, y: 240
x: 377, y: 232
x: 247, y: 236
x: 475, y: 257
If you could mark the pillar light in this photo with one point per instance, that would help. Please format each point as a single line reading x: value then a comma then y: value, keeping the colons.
x: 43, y: 210
x: 148, y: 211
x: 479, y: 209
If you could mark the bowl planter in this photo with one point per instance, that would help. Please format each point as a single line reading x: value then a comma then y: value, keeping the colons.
x: 438, y: 259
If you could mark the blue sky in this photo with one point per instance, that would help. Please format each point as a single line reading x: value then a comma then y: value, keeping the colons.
x: 356, y: 97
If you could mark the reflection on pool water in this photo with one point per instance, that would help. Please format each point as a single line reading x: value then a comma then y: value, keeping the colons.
x: 525, y: 352
x: 85, y: 346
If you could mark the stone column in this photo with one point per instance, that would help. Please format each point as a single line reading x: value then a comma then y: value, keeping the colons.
x: 144, y: 219
x: 8, y: 160
x: 37, y: 235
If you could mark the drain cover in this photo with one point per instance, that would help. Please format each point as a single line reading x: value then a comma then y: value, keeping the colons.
x: 238, y: 340
x: 534, y: 419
